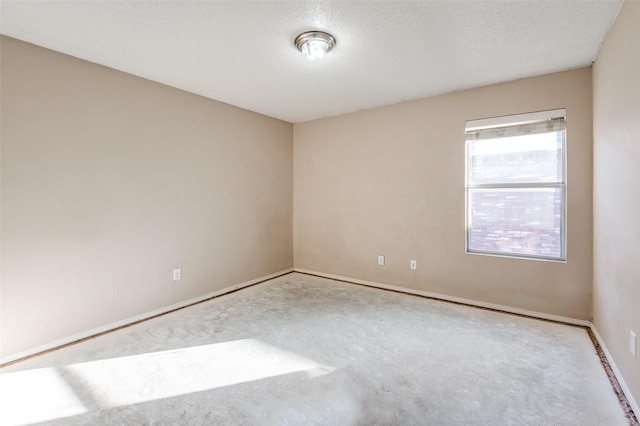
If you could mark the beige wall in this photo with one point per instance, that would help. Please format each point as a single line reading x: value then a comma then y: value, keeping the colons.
x: 109, y: 181
x: 616, y: 119
x: 391, y: 181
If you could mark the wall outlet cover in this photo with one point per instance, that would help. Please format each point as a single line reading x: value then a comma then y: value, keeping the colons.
x: 177, y: 274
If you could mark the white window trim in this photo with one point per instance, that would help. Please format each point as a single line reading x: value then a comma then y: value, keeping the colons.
x: 514, y: 120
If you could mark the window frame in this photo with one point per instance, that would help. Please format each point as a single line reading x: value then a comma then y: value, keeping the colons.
x: 505, y: 122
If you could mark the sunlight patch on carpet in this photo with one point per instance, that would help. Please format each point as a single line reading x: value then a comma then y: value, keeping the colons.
x: 45, y: 394
x: 38, y: 395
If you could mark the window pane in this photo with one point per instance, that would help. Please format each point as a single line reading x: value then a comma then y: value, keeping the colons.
x: 518, y: 159
x: 516, y: 221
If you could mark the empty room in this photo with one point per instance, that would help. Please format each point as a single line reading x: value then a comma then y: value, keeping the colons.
x: 320, y: 212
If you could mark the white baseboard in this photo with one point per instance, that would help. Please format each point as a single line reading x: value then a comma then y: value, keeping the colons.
x: 616, y: 372
x: 439, y: 296
x: 129, y: 321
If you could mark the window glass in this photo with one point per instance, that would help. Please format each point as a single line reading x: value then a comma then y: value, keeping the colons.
x: 516, y: 159
x: 516, y: 221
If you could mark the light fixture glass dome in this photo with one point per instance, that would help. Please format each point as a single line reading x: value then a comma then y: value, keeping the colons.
x: 314, y: 44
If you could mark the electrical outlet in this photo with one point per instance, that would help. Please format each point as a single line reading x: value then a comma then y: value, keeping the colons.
x: 632, y: 343
x: 177, y: 274
x: 413, y: 264
x: 381, y: 260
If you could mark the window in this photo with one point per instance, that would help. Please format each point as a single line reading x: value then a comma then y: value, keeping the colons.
x: 516, y: 185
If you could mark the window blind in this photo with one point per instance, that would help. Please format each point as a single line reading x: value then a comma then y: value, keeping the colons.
x: 551, y: 125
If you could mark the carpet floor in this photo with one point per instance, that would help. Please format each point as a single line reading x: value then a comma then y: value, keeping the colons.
x: 302, y: 350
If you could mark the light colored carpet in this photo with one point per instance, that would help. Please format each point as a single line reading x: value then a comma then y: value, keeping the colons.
x: 301, y: 350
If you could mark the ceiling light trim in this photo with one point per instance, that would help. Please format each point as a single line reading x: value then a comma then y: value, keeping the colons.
x: 314, y: 44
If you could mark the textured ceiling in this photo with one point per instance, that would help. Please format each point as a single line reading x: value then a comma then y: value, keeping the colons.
x: 242, y: 52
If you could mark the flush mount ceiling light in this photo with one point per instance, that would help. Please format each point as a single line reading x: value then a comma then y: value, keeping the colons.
x: 314, y: 44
